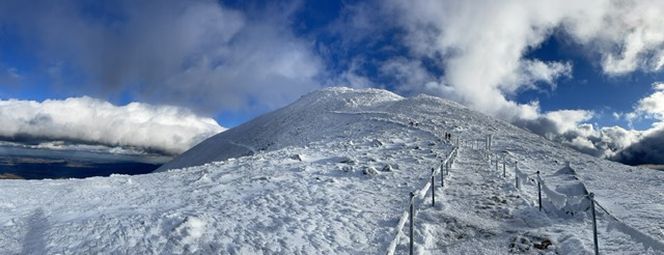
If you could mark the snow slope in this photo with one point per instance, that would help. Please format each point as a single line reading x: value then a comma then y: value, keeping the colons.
x: 330, y: 174
x: 317, y: 116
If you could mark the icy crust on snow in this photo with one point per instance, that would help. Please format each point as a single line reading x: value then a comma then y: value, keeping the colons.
x: 564, y: 191
x: 313, y: 178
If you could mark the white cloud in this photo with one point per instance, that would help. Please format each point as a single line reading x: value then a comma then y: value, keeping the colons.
x: 412, y: 77
x: 636, y: 29
x: 658, y: 86
x: 651, y: 106
x: 533, y: 71
x: 566, y: 120
x: 86, y: 120
x: 481, y: 45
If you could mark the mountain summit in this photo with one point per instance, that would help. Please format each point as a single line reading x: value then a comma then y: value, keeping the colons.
x: 331, y: 174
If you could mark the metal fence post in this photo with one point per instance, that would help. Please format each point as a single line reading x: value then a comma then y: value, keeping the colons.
x: 504, y: 168
x: 516, y: 174
x: 592, y: 209
x: 412, y: 218
x: 433, y: 187
x: 516, y: 181
x: 442, y: 172
x: 539, y: 190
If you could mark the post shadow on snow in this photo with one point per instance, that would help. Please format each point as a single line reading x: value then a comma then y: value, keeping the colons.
x: 34, y: 241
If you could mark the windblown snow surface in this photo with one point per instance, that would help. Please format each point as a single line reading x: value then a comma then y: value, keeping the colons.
x: 331, y: 174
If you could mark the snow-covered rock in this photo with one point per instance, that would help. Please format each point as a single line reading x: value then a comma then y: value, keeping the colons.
x: 371, y: 171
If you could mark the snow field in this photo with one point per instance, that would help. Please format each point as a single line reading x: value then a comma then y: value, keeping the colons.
x: 317, y: 202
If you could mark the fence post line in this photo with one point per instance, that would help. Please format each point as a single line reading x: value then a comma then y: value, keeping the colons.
x: 412, y: 218
x: 592, y: 209
x: 433, y: 187
x: 539, y: 190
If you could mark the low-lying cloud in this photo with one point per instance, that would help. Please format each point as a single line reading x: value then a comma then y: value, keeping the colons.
x: 648, y: 150
x: 629, y: 146
x: 83, y: 120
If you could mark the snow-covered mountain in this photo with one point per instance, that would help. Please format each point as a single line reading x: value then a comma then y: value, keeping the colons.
x: 321, y: 115
x: 331, y: 174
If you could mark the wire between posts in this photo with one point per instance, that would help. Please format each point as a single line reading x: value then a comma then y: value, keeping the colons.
x: 646, y: 240
x: 419, y: 194
x: 560, y: 200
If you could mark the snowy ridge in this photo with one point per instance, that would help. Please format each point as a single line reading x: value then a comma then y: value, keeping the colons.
x: 330, y: 174
x: 310, y: 119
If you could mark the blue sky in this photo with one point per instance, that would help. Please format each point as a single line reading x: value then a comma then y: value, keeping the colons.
x: 582, y: 63
x: 589, y: 88
x: 312, y: 21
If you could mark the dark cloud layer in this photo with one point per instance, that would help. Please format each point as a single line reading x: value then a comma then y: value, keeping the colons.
x: 196, y: 53
x: 649, y: 150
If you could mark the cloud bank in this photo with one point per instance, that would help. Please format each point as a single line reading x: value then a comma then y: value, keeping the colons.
x: 629, y: 146
x: 84, y: 120
x: 650, y: 148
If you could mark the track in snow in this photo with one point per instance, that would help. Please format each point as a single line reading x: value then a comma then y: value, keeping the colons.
x: 480, y: 212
